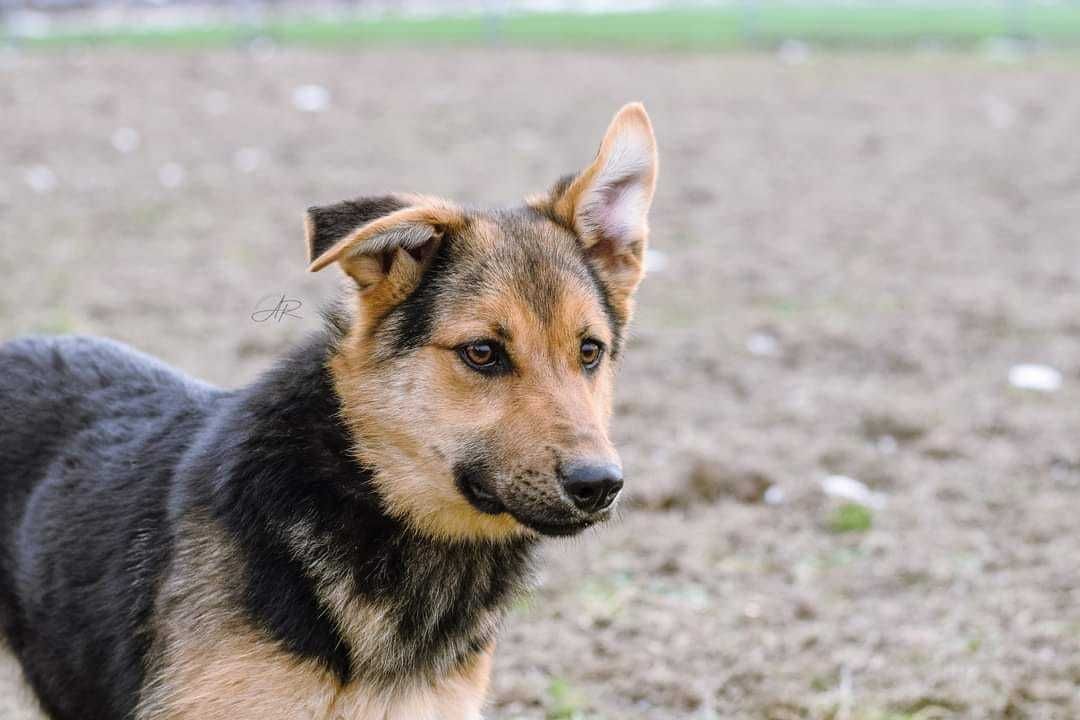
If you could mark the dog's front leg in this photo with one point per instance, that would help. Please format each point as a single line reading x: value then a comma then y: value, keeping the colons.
x: 458, y: 696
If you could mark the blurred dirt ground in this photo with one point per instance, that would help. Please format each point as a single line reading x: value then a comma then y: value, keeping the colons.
x: 857, y: 250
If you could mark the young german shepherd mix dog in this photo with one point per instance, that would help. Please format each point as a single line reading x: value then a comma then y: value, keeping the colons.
x: 339, y: 540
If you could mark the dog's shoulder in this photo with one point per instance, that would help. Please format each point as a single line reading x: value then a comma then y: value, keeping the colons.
x: 90, y: 431
x: 79, y: 362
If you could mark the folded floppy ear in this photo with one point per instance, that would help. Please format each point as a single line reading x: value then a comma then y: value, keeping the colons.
x: 607, y: 203
x: 382, y: 243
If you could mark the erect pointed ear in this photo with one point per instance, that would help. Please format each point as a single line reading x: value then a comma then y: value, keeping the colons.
x: 383, y: 243
x: 607, y: 203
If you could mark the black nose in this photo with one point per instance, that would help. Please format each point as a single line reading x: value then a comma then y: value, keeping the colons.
x: 592, y: 487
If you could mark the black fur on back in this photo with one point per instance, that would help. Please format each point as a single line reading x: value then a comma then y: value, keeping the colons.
x: 90, y: 433
x: 104, y: 451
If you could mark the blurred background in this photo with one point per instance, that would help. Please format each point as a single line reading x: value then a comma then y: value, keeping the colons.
x: 850, y: 407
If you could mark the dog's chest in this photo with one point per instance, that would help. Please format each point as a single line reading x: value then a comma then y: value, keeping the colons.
x: 422, y: 609
x: 419, y: 642
x: 244, y: 677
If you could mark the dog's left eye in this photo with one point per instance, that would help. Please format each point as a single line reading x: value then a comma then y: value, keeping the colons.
x: 485, y: 356
x: 591, y: 352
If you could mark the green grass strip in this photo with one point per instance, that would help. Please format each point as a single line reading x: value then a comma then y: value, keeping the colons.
x: 705, y: 29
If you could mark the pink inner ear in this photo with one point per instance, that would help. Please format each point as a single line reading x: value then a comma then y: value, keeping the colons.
x: 619, y: 214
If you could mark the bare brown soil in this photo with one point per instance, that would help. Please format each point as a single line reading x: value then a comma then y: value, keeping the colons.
x: 894, y: 233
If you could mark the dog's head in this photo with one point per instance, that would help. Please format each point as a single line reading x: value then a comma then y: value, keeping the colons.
x: 477, y: 373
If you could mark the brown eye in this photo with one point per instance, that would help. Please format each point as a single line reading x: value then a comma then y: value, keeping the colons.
x: 591, y: 352
x: 484, y: 356
x: 480, y: 353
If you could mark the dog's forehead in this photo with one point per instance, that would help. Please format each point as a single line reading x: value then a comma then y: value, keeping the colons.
x: 500, y: 269
x: 523, y: 254
x: 516, y: 233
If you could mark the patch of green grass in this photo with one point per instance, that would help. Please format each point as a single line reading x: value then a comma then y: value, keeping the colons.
x: 603, y: 598
x: 149, y: 215
x: 934, y: 712
x: 690, y: 594
x: 56, y: 322
x: 882, y: 715
x: 786, y: 307
x: 823, y: 683
x: 565, y: 702
x: 850, y: 518
x: 524, y: 605
x: 738, y: 25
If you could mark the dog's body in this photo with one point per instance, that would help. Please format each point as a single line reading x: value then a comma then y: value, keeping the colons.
x: 170, y: 521
x: 340, y: 539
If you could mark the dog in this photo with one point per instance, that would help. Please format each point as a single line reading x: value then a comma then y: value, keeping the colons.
x: 340, y: 539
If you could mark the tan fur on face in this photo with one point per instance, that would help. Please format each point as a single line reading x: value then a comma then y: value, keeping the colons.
x: 210, y: 664
x: 401, y: 446
x: 546, y: 278
x: 414, y: 417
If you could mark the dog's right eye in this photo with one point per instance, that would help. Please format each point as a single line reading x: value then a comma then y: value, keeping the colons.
x: 485, y: 356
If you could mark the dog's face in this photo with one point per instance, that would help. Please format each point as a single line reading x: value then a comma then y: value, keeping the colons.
x: 477, y: 375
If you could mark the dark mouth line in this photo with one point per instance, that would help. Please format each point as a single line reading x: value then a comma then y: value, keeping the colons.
x: 489, y: 504
x: 555, y: 529
x: 481, y: 499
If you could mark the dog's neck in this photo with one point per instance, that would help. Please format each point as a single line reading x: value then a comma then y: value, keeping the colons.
x: 329, y: 573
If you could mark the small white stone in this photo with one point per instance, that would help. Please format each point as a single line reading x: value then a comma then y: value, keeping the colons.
x: 763, y: 344
x: 999, y: 113
x: 126, y: 140
x: 1031, y: 376
x: 774, y: 495
x: 793, y: 52
x: 886, y: 445
x: 216, y: 102
x: 311, y: 98
x: 171, y: 175
x: 655, y: 261
x: 248, y: 159
x: 848, y: 488
x: 41, y: 178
